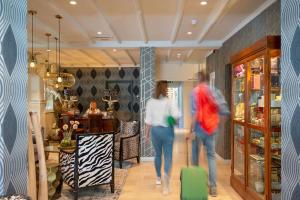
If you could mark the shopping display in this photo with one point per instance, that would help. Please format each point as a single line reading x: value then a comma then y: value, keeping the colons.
x: 256, y: 122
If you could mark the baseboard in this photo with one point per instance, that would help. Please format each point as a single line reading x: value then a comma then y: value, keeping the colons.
x: 147, y: 159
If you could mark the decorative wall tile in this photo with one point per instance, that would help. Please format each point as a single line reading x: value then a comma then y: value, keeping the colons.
x: 89, y: 88
x: 13, y: 97
x: 122, y: 73
x: 147, y: 84
x: 9, y: 50
x: 136, y: 73
x: 290, y: 111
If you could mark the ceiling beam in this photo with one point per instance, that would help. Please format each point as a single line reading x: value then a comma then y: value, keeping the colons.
x: 111, y: 57
x: 189, y: 54
x: 130, y: 56
x: 96, y: 4
x: 215, y: 16
x: 71, y: 19
x: 206, y: 44
x: 178, y: 19
x: 140, y: 19
x: 91, y: 57
x: 169, y: 54
x: 244, y: 22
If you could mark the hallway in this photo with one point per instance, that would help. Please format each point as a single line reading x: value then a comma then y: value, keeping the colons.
x: 140, y: 183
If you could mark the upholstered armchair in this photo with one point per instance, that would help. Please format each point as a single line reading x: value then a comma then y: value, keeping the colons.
x: 127, y: 142
x: 90, y: 164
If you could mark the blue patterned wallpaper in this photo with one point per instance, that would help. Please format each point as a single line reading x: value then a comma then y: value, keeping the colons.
x: 13, y: 97
x: 290, y: 45
x: 91, y: 82
x: 147, y: 83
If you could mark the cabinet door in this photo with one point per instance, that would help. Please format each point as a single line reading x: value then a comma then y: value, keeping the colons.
x: 256, y: 92
x: 275, y: 127
x: 239, y: 152
x: 238, y: 92
x: 256, y: 162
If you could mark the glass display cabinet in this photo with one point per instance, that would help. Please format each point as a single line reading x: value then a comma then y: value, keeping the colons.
x: 256, y: 120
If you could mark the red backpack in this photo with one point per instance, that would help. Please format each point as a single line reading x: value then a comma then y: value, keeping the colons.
x: 207, y: 109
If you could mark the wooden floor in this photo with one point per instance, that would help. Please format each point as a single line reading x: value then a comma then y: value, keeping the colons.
x: 140, y: 183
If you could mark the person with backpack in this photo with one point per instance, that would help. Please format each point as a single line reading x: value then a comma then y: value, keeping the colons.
x: 207, y: 104
x: 161, y: 115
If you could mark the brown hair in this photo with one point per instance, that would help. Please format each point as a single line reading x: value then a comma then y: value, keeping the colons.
x: 202, y: 76
x: 161, y: 89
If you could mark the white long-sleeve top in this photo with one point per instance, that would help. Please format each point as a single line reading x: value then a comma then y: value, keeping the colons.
x: 157, y: 111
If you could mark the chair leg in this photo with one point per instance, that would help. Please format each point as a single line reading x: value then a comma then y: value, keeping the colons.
x: 76, y: 195
x: 112, y: 188
x: 138, y: 159
x: 120, y: 161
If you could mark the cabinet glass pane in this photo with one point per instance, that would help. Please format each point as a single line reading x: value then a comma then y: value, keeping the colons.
x: 275, y: 123
x: 256, y: 148
x: 256, y: 92
x: 239, y: 151
x: 239, y: 92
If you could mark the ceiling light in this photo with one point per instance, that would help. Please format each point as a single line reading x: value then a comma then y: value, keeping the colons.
x: 114, y: 50
x: 99, y: 33
x: 194, y: 21
x: 203, y: 3
x: 189, y: 33
x: 32, y: 64
x: 179, y: 54
x: 73, y: 2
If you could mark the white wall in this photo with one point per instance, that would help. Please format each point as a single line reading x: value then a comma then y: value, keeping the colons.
x: 186, y: 73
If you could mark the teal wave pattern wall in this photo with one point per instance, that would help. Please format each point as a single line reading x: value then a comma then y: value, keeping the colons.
x: 13, y: 97
x: 290, y: 49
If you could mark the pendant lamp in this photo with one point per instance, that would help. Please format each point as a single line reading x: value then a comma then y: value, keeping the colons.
x: 59, y: 78
x: 32, y: 60
x: 48, y: 51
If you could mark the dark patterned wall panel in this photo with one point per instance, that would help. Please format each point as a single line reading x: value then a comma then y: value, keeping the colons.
x: 267, y: 23
x: 290, y: 126
x: 13, y: 95
x: 147, y: 87
x: 91, y: 82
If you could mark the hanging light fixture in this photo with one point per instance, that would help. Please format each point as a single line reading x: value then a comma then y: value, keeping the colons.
x: 48, y: 51
x: 59, y: 78
x: 32, y: 60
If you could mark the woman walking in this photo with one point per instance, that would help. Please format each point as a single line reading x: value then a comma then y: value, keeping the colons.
x: 160, y: 112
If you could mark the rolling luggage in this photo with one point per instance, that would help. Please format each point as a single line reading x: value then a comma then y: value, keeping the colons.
x: 193, y: 182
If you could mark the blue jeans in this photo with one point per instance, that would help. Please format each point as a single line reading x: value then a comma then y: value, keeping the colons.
x: 162, y: 140
x: 209, y: 143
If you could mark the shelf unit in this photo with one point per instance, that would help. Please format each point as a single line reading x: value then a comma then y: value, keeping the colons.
x: 256, y: 126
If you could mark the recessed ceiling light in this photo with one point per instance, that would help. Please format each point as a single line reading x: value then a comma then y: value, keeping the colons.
x: 189, y: 33
x: 73, y: 2
x: 99, y: 33
x: 203, y: 3
x: 178, y: 55
x: 114, y: 50
x: 194, y: 21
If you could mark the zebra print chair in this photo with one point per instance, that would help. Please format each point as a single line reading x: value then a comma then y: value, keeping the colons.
x: 91, y: 163
x: 127, y: 144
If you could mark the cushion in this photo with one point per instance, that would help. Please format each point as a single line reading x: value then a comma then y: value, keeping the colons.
x: 128, y: 128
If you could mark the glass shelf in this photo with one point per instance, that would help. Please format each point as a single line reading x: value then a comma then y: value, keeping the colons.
x: 239, y: 74
x: 239, y: 151
x: 256, y: 92
x: 256, y: 149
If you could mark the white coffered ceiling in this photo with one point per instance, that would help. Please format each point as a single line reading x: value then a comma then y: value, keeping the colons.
x: 127, y: 25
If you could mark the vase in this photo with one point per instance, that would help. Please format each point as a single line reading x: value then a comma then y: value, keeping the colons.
x: 66, y: 141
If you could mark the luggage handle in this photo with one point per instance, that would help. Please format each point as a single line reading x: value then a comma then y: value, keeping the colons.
x: 187, y: 151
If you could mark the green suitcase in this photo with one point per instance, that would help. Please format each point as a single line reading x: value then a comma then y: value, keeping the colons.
x: 193, y: 183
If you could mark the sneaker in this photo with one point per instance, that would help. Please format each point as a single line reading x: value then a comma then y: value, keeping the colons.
x: 166, y: 185
x: 213, y: 191
x: 158, y: 181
